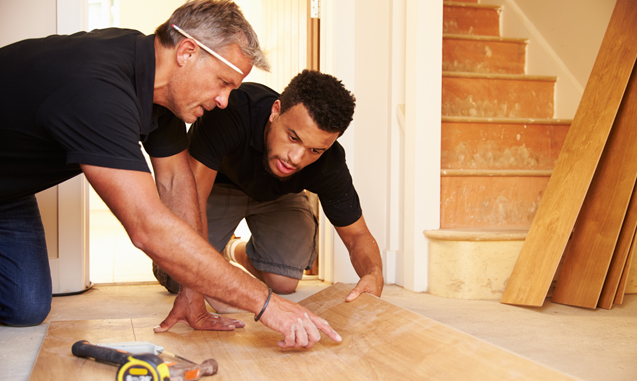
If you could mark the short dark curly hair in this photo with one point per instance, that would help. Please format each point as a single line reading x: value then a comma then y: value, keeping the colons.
x: 329, y: 103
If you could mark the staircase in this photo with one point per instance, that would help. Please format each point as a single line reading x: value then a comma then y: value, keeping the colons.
x: 499, y: 146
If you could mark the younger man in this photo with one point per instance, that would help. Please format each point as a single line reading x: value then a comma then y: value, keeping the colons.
x: 261, y: 153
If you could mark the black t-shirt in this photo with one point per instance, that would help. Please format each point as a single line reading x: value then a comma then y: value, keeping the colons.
x: 85, y: 98
x: 230, y: 141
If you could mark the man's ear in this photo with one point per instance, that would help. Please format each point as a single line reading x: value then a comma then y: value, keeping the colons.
x: 276, y: 110
x: 185, y: 51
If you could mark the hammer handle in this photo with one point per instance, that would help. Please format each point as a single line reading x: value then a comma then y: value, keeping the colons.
x: 83, y: 348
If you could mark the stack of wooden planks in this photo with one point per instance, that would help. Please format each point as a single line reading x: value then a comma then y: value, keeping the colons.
x: 588, y: 215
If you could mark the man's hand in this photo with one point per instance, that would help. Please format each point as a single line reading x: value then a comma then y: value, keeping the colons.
x: 370, y: 284
x: 190, y: 308
x: 299, y: 327
x: 365, y: 257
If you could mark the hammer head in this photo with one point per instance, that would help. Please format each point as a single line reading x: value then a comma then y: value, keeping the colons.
x: 190, y: 372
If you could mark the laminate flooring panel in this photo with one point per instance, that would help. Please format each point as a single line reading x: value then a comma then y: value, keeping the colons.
x: 380, y: 341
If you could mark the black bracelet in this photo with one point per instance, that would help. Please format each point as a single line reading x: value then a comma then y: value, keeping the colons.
x: 256, y: 318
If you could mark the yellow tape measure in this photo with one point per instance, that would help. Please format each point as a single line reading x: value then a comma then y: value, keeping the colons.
x: 143, y: 367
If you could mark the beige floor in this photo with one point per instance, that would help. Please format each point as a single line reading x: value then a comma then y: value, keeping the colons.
x: 586, y: 344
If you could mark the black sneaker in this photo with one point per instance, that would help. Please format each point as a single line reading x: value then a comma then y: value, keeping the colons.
x: 165, y: 280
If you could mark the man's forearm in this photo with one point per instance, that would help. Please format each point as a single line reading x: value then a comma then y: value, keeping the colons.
x: 179, y: 194
x: 196, y: 265
x: 365, y: 256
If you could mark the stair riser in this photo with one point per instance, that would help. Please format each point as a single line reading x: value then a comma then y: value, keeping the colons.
x: 489, y: 202
x: 497, y: 98
x: 480, y: 269
x: 468, y: 20
x: 475, y: 56
x: 470, y: 269
x: 501, y: 146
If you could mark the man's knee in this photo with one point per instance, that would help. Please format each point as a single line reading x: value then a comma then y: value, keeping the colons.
x: 281, y: 284
x: 26, y: 313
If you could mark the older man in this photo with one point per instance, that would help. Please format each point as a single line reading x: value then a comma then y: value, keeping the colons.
x: 82, y: 103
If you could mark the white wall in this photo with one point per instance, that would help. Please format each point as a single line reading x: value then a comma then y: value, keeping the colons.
x: 564, y: 38
x: 373, y: 112
x: 26, y: 19
x: 146, y: 15
x: 338, y: 57
x: 369, y: 45
x: 573, y: 28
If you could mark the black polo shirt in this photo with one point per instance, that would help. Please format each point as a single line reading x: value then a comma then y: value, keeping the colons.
x: 85, y: 98
x: 230, y: 141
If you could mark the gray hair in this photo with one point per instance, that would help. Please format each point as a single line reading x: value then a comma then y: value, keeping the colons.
x: 217, y: 24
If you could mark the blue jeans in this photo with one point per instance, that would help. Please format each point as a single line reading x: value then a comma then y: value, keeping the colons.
x: 25, y: 278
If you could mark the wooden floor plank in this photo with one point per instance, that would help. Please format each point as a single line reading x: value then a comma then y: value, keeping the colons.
x: 575, y: 167
x: 198, y: 346
x: 257, y: 348
x: 602, y: 215
x: 387, y: 342
x: 55, y: 360
x: 618, y: 261
x: 380, y: 341
x: 621, y: 289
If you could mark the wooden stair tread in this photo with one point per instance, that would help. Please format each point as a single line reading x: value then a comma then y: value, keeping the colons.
x: 477, y: 234
x: 471, y: 119
x: 497, y: 172
x: 453, y: 36
x: 515, y: 77
x: 471, y: 5
x: 463, y: 1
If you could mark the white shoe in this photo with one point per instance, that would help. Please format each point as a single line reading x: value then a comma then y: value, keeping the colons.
x: 228, y: 251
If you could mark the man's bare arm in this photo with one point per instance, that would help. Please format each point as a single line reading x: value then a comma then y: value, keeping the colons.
x: 365, y: 256
x: 189, y: 259
x: 176, y: 187
x: 204, y: 180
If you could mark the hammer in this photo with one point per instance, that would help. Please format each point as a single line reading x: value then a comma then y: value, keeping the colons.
x: 145, y: 362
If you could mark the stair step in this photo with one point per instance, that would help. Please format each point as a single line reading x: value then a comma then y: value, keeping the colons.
x: 476, y: 19
x: 463, y: 1
x: 483, y: 143
x: 478, y: 234
x: 491, y: 201
x: 483, y: 54
x: 497, y: 95
x: 496, y: 172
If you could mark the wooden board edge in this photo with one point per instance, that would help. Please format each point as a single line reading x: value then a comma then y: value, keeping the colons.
x: 618, y: 262
x: 621, y: 288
